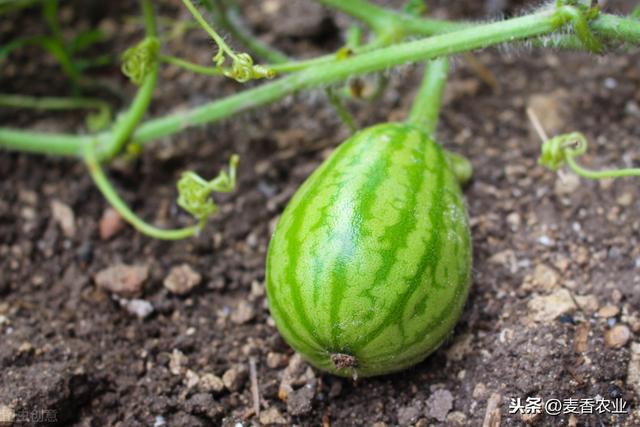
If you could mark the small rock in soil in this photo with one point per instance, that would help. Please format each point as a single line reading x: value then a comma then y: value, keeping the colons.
x: 64, y: 217
x: 235, y: 377
x: 182, y: 279
x: 210, y: 383
x: 409, y: 414
x: 177, y: 362
x: 203, y: 404
x: 439, y: 404
x: 272, y: 417
x: 191, y: 379
x: 479, y: 391
x: 608, y: 311
x: 299, y: 401
x: 457, y: 418
x: 138, y: 307
x: 547, y: 308
x: 297, y: 373
x: 617, y: 337
x: 276, y: 360
x: 121, y: 279
x: 543, y: 278
x: 243, y: 313
x: 110, y: 223
x: 460, y: 348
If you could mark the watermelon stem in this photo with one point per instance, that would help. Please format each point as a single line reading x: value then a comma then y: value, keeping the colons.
x: 425, y: 111
x: 344, y: 361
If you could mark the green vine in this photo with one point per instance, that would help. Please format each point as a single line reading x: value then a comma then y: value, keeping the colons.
x: 566, y: 148
x: 242, y: 67
x: 195, y: 192
x: 140, y: 60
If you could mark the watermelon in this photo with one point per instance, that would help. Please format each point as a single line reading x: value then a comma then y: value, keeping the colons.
x: 369, y: 266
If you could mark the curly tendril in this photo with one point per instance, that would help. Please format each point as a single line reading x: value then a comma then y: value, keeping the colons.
x: 579, y: 14
x: 138, y: 60
x: 195, y: 192
x: 564, y: 149
x: 243, y: 69
x: 555, y: 151
x: 242, y: 66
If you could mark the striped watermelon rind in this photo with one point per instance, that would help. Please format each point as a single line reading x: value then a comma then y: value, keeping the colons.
x: 370, y: 263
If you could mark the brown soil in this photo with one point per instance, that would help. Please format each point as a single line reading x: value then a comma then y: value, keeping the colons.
x: 541, y: 246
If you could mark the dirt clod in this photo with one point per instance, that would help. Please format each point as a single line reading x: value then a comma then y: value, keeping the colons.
x: 110, y: 223
x: 272, y: 416
x: 439, y: 404
x: 63, y: 215
x: 210, y: 383
x: 299, y: 401
x: 547, y: 308
x: 409, y: 414
x: 276, y: 360
x: 124, y: 280
x: 181, y: 279
x: 235, y: 377
x: 243, y: 313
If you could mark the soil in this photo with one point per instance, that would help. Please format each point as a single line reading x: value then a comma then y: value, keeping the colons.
x: 556, y: 259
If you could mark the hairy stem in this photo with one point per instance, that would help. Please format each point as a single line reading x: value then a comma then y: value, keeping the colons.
x: 109, y: 193
x: 468, y: 39
x: 426, y: 106
x: 127, y: 123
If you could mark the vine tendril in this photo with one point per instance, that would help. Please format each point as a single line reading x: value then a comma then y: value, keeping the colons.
x: 195, y: 192
x: 139, y: 60
x: 564, y: 149
x: 242, y: 67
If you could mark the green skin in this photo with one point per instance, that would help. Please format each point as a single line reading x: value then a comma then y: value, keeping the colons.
x: 369, y: 266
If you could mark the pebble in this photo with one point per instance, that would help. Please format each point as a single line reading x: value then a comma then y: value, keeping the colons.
x: 138, y: 307
x: 439, y: 404
x: 457, y: 418
x: 408, y: 415
x: 460, y: 348
x: 276, y: 360
x: 608, y: 311
x: 617, y: 337
x: 124, y: 280
x: 297, y: 373
x: 547, y: 308
x: 235, y: 377
x: 625, y: 199
x: 210, y: 383
x: 64, y: 217
x: 243, y: 313
x: 566, y: 184
x: 110, y: 223
x: 272, y: 417
x: 479, y: 391
x: 299, y: 401
x: 543, y: 278
x: 177, y: 362
x: 191, y: 379
x: 181, y: 279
